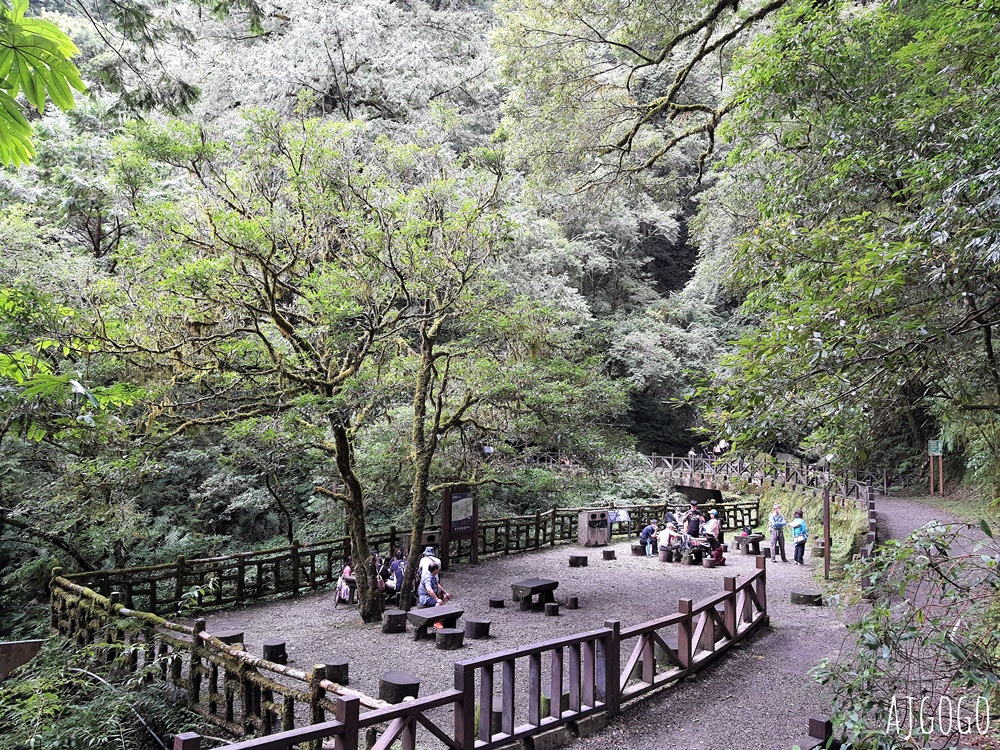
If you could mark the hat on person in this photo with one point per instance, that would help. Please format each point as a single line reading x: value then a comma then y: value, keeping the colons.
x: 428, y: 550
x: 694, y: 503
x: 713, y: 512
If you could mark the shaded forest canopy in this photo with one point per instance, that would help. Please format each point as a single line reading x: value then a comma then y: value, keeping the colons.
x: 288, y: 271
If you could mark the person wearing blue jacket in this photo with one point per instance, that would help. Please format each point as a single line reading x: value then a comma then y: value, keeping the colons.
x: 799, y: 536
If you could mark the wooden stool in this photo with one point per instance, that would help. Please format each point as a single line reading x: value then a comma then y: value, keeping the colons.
x: 394, y: 621
x: 496, y: 602
x: 231, y: 637
x: 551, y: 609
x: 638, y: 550
x: 572, y: 602
x: 338, y: 671
x: 665, y: 554
x: 395, y: 685
x: 476, y: 629
x: 807, y: 598
x: 578, y: 561
x: 609, y: 554
x: 449, y: 639
x: 708, y: 562
x: 274, y: 650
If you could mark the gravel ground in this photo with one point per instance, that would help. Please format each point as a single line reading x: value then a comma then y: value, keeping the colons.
x: 757, y: 696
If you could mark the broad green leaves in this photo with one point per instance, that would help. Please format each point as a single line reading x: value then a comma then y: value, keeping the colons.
x: 35, y: 63
x: 869, y: 272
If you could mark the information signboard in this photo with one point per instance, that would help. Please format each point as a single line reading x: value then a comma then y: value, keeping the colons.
x: 934, y: 448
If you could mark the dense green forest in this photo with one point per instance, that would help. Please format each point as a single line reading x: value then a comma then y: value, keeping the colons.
x: 286, y: 270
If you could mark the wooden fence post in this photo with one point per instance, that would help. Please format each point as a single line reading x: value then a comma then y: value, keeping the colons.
x: 538, y: 529
x: 295, y: 567
x: 608, y: 666
x: 179, y: 582
x: 347, y: 712
x: 552, y: 536
x: 684, y: 634
x: 55, y: 601
x: 194, y: 666
x: 729, y: 612
x: 187, y: 741
x: 316, y: 694
x: 761, y: 584
x: 465, y: 708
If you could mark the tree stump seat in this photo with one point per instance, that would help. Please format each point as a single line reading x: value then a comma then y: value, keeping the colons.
x: 666, y: 554
x: 638, y: 549
x: 496, y: 602
x: 709, y: 562
x: 551, y: 609
x: 274, y: 651
x: 230, y: 637
x: 807, y: 598
x: 338, y: 670
x: 396, y: 685
x: 394, y: 621
x: 578, y: 561
x: 609, y: 554
x: 449, y: 639
x: 476, y: 629
x: 572, y: 602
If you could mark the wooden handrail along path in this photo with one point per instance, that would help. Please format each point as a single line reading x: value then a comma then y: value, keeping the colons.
x: 587, y: 674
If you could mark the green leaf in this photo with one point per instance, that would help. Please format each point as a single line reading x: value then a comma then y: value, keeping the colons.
x: 985, y: 527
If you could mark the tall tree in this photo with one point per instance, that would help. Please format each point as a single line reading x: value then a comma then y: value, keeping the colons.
x: 870, y: 269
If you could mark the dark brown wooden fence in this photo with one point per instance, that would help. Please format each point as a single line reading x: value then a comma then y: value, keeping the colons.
x: 301, y: 568
x: 588, y: 669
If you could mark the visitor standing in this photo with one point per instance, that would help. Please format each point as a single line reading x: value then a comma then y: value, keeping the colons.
x: 799, y: 537
x: 776, y: 526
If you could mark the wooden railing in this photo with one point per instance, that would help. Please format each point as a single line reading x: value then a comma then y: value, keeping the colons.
x: 581, y: 673
x: 301, y: 568
x: 228, y: 686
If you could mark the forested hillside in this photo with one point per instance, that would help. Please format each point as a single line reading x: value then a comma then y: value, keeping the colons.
x: 286, y: 270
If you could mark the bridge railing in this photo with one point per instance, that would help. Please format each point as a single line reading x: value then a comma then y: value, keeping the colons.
x: 760, y: 472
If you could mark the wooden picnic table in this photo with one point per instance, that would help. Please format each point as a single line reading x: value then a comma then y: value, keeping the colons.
x: 540, y: 587
x: 421, y: 618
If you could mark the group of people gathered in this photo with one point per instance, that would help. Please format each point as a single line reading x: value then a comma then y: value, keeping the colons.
x: 389, y: 577
x: 682, y: 530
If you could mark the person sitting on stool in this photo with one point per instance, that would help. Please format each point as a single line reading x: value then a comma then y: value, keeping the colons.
x: 431, y: 592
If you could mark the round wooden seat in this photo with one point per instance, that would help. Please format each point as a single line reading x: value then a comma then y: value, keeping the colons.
x: 274, y: 650
x: 338, y: 670
x: 449, y: 639
x: 476, y: 629
x: 394, y: 621
x: 578, y: 561
x: 396, y: 685
x: 496, y: 602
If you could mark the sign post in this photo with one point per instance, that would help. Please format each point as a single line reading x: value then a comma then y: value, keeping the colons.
x: 934, y: 451
x: 827, y: 537
x: 459, y: 520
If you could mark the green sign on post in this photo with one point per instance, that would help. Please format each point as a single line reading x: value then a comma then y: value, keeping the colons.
x: 934, y: 448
